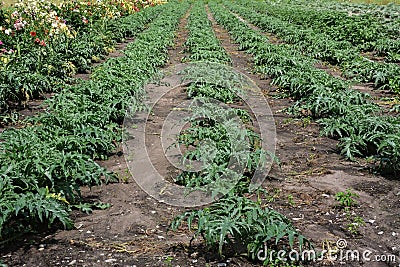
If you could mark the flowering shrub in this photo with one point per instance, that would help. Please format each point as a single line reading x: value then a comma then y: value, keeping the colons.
x: 48, y: 20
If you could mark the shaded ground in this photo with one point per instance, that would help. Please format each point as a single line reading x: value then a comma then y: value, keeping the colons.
x: 133, y: 232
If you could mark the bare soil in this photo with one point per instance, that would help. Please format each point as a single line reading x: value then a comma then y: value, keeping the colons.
x: 133, y: 231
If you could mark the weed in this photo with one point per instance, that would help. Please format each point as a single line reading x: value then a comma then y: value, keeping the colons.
x: 168, y: 261
x: 346, y: 199
x: 290, y: 200
x: 355, y: 225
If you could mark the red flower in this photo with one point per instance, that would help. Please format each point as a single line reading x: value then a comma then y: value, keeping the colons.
x: 33, y: 34
x: 37, y: 40
x: 42, y: 43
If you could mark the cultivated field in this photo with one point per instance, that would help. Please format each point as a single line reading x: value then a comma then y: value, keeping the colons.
x: 200, y: 133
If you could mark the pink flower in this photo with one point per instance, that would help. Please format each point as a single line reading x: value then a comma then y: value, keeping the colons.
x: 18, y: 25
x: 1, y: 42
